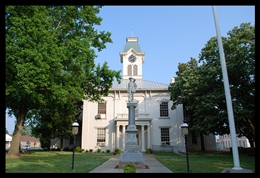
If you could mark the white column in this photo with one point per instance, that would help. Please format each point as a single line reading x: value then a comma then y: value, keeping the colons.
x: 117, y: 136
x: 142, y: 136
x: 148, y: 137
x: 123, y: 139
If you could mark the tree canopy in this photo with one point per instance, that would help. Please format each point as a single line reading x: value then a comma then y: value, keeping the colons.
x: 50, y: 62
x: 200, y: 88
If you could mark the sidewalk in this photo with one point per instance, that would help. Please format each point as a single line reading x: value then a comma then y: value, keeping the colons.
x: 153, y: 166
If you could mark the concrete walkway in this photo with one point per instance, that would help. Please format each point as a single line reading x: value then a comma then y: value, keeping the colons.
x: 152, y: 166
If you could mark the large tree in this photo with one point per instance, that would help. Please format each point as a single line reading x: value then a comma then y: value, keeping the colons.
x: 201, y: 88
x: 50, y: 61
x: 239, y: 50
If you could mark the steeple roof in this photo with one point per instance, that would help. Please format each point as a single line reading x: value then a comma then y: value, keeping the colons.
x: 132, y: 42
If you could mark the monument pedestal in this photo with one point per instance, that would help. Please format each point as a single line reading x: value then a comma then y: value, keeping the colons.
x: 131, y: 152
x: 134, y: 158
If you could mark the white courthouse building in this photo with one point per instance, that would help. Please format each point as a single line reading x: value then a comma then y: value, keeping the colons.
x: 103, y: 125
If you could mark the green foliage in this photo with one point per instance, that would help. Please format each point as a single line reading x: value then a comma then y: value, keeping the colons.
x: 118, y: 151
x: 90, y: 150
x: 78, y: 149
x: 129, y: 168
x: 201, y: 91
x: 108, y: 151
x: 50, y: 66
x: 149, y: 151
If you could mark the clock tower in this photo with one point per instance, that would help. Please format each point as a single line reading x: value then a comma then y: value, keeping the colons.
x: 132, y: 59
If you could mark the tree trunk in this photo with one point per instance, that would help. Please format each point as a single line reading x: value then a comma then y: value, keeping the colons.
x: 61, y: 144
x: 202, y: 144
x: 14, y: 150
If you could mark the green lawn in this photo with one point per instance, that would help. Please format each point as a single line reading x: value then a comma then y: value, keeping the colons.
x: 61, y: 162
x: 55, y: 162
x: 199, y: 162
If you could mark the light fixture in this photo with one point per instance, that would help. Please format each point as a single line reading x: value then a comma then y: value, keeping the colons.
x: 75, y: 129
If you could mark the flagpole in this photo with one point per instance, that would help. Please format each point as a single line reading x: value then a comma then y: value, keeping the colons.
x: 228, y: 97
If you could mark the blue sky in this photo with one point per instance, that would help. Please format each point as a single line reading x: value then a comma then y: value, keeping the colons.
x: 168, y: 35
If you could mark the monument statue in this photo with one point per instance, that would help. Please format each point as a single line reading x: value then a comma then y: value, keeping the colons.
x: 131, y: 89
x: 131, y: 153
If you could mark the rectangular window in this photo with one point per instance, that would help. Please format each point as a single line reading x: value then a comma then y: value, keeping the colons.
x: 101, y: 135
x: 164, y: 109
x: 102, y: 107
x: 165, y: 136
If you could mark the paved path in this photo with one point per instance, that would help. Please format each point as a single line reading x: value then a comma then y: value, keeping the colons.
x: 149, y: 160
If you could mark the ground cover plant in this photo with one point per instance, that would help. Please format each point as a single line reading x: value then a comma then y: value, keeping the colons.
x: 129, y: 168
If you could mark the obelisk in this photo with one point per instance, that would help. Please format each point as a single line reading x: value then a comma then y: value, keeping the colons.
x: 131, y: 153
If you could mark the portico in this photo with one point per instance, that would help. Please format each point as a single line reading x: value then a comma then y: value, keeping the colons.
x: 143, y: 125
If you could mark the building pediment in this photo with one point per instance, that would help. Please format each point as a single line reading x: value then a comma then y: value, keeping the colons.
x: 131, y: 51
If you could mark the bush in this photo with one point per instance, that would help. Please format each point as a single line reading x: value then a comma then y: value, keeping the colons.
x: 118, y: 151
x: 107, y: 151
x: 149, y: 151
x: 99, y: 150
x: 129, y: 168
x: 78, y: 149
x: 90, y: 150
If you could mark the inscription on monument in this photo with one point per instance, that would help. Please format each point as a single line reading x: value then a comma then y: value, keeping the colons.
x: 131, y: 148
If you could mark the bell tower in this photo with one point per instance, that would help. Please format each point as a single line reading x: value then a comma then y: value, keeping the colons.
x: 132, y: 59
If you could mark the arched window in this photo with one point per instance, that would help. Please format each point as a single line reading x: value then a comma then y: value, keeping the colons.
x: 135, y: 70
x: 129, y: 70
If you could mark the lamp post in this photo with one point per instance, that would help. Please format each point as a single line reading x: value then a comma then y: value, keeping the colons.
x: 75, y: 128
x: 185, y: 132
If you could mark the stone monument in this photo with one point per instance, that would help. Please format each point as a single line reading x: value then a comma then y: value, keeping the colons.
x: 131, y: 153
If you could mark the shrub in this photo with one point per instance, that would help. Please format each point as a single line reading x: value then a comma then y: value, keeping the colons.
x: 90, y: 150
x: 149, y: 151
x: 118, y: 151
x: 99, y: 150
x: 107, y: 151
x: 129, y: 168
x: 78, y: 149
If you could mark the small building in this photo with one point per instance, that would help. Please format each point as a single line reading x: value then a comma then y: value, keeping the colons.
x: 31, y: 141
x: 8, y: 140
x: 224, y: 142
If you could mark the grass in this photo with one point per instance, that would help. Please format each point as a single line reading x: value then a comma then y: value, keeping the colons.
x: 61, y: 162
x: 55, y: 162
x: 203, y: 162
